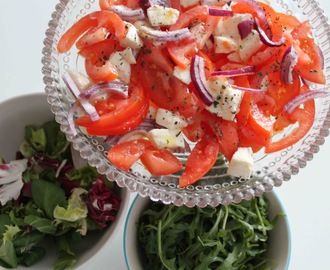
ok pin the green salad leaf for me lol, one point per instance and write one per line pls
(226, 237)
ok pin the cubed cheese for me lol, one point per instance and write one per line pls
(188, 3)
(132, 38)
(122, 66)
(162, 16)
(249, 45)
(152, 111)
(81, 81)
(225, 44)
(241, 164)
(128, 55)
(227, 100)
(228, 27)
(165, 138)
(170, 120)
(182, 74)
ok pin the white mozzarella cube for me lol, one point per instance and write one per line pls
(188, 3)
(152, 112)
(182, 74)
(128, 55)
(122, 66)
(241, 164)
(132, 38)
(162, 16)
(228, 27)
(227, 100)
(170, 120)
(249, 45)
(225, 44)
(82, 82)
(165, 138)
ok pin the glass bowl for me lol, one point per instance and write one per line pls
(270, 170)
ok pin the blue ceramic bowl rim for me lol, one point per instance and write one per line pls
(138, 196)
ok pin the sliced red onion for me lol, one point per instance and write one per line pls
(248, 70)
(70, 118)
(245, 28)
(220, 12)
(289, 60)
(247, 89)
(105, 87)
(88, 107)
(199, 81)
(260, 13)
(128, 14)
(265, 38)
(158, 35)
(303, 97)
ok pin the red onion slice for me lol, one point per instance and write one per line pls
(260, 13)
(158, 35)
(128, 14)
(245, 28)
(220, 12)
(70, 118)
(303, 97)
(247, 89)
(248, 70)
(264, 37)
(89, 108)
(105, 87)
(289, 60)
(199, 81)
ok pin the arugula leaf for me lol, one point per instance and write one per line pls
(85, 175)
(27, 239)
(225, 237)
(4, 221)
(47, 196)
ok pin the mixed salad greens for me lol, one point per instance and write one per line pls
(226, 237)
(225, 76)
(49, 196)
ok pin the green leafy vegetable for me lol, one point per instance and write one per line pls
(58, 204)
(226, 237)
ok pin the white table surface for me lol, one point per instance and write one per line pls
(22, 28)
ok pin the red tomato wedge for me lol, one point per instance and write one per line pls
(160, 161)
(201, 160)
(125, 154)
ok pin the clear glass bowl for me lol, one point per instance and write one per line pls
(270, 170)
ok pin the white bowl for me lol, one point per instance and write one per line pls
(15, 114)
(279, 238)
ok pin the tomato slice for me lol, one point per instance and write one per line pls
(104, 18)
(165, 90)
(124, 155)
(305, 119)
(127, 125)
(201, 159)
(225, 131)
(310, 67)
(102, 73)
(261, 125)
(100, 51)
(125, 108)
(160, 161)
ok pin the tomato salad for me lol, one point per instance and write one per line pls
(223, 75)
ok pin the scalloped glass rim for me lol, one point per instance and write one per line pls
(270, 170)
